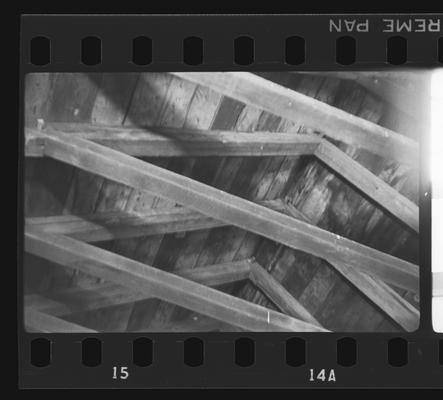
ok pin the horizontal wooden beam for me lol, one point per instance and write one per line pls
(230, 209)
(79, 299)
(120, 225)
(371, 185)
(333, 122)
(114, 225)
(275, 291)
(171, 142)
(36, 321)
(160, 284)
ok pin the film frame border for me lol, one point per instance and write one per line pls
(219, 369)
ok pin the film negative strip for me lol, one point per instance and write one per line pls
(230, 201)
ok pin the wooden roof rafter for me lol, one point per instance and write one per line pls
(370, 282)
(116, 225)
(374, 187)
(220, 205)
(78, 299)
(101, 227)
(166, 286)
(179, 142)
(37, 321)
(294, 106)
(81, 298)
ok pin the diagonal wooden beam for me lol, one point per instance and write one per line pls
(163, 285)
(195, 323)
(275, 291)
(172, 142)
(79, 299)
(383, 296)
(375, 188)
(86, 300)
(83, 299)
(378, 292)
(333, 122)
(37, 321)
(360, 177)
(230, 209)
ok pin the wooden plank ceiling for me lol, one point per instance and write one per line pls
(318, 195)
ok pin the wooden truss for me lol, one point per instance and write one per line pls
(111, 151)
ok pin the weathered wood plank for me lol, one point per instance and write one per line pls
(173, 142)
(277, 258)
(279, 295)
(334, 204)
(99, 227)
(47, 183)
(37, 321)
(267, 182)
(214, 171)
(218, 274)
(193, 323)
(347, 215)
(54, 97)
(80, 299)
(147, 109)
(255, 180)
(113, 98)
(119, 225)
(38, 96)
(383, 296)
(159, 100)
(230, 209)
(333, 122)
(371, 185)
(53, 186)
(111, 108)
(381, 84)
(73, 100)
(175, 95)
(166, 286)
